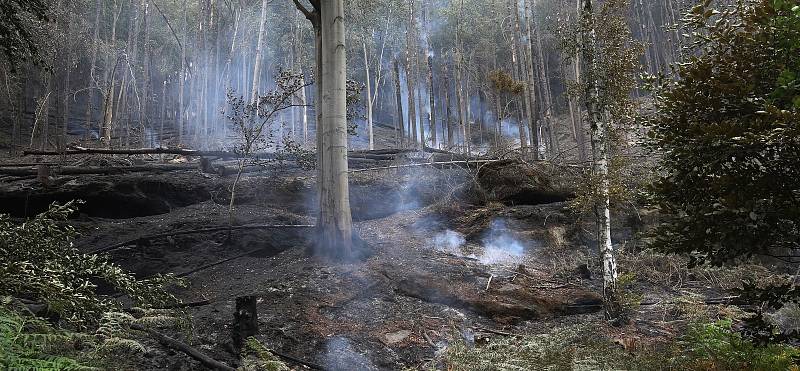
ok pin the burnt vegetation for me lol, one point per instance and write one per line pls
(384, 185)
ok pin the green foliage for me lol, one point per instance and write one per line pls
(563, 349)
(706, 346)
(257, 357)
(40, 264)
(27, 343)
(715, 346)
(728, 129)
(19, 20)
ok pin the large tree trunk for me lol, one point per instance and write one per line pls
(599, 140)
(335, 221)
(259, 51)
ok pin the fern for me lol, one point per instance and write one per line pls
(30, 344)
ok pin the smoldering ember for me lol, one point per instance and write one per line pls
(399, 185)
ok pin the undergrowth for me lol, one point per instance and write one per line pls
(52, 316)
(705, 346)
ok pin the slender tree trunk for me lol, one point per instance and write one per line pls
(399, 129)
(65, 118)
(182, 78)
(260, 44)
(599, 139)
(431, 96)
(92, 66)
(447, 122)
(369, 98)
(412, 112)
(534, 125)
(518, 71)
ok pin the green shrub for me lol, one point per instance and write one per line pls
(715, 346)
(40, 264)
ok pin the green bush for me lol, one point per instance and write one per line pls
(41, 265)
(715, 346)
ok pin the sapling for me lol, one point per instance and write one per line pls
(253, 122)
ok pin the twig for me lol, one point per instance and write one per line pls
(490, 282)
(186, 349)
(497, 332)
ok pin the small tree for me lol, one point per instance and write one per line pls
(253, 122)
(609, 64)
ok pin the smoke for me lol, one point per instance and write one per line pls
(339, 355)
(449, 242)
(499, 245)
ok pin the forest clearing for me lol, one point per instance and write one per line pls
(399, 185)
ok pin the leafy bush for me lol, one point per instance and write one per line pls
(727, 129)
(41, 265)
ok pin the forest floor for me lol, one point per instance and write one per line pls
(444, 265)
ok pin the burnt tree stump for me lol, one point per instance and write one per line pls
(245, 321)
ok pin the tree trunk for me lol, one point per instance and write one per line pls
(335, 221)
(432, 110)
(518, 71)
(260, 44)
(369, 99)
(399, 129)
(534, 126)
(92, 65)
(599, 139)
(448, 123)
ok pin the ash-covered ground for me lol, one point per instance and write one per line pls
(455, 254)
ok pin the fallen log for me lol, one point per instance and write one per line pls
(182, 347)
(84, 170)
(134, 151)
(441, 164)
(193, 231)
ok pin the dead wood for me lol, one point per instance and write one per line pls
(186, 349)
(437, 165)
(245, 320)
(134, 151)
(82, 170)
(143, 239)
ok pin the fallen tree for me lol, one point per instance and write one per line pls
(81, 170)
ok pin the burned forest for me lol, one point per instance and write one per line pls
(399, 185)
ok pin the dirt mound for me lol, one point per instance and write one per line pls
(114, 197)
(516, 183)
